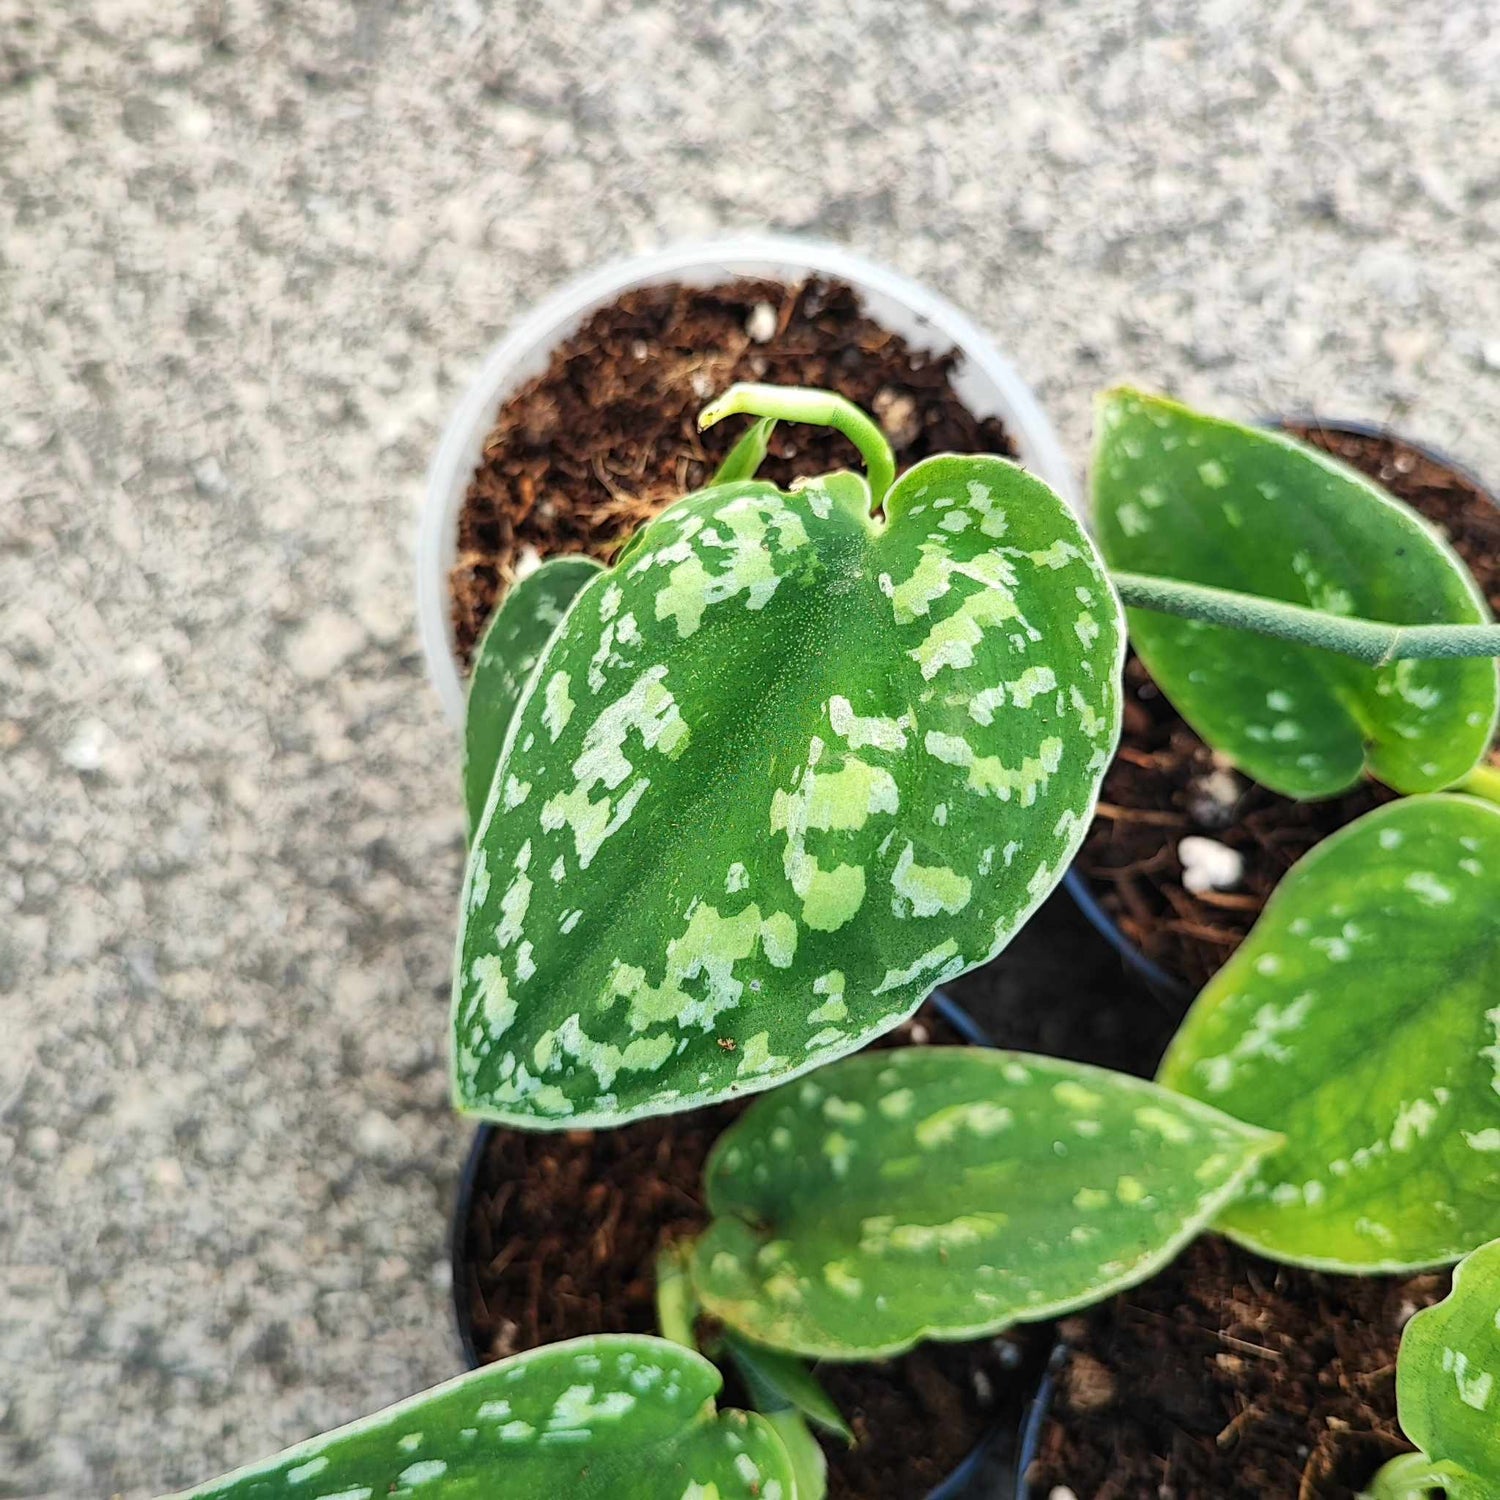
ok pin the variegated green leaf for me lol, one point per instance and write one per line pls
(948, 1192)
(512, 645)
(1448, 1379)
(780, 774)
(1361, 1018)
(614, 1417)
(1185, 496)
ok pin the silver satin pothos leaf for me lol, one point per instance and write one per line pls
(1361, 1018)
(949, 1192)
(610, 1417)
(779, 774)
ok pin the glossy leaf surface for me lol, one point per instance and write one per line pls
(616, 1417)
(1186, 496)
(507, 653)
(1448, 1376)
(782, 773)
(1361, 1018)
(945, 1192)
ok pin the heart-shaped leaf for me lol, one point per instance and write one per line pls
(778, 776)
(504, 660)
(1448, 1379)
(1185, 496)
(613, 1417)
(948, 1192)
(1361, 1018)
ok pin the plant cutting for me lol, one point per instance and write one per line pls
(581, 425)
(919, 1148)
(782, 770)
(801, 755)
(1187, 849)
(519, 626)
(1180, 496)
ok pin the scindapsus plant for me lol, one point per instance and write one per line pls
(616, 1417)
(1241, 751)
(799, 756)
(739, 801)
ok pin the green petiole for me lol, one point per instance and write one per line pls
(1372, 642)
(821, 409)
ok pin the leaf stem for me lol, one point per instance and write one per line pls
(676, 1304)
(747, 455)
(1373, 642)
(1482, 781)
(822, 409)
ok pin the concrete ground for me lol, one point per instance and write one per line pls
(250, 253)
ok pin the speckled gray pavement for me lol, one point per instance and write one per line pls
(249, 254)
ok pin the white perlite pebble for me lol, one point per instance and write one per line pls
(1208, 865)
(1213, 798)
(1061, 1492)
(761, 324)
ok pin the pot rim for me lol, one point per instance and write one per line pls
(1362, 427)
(1038, 1409)
(949, 1488)
(1083, 891)
(987, 382)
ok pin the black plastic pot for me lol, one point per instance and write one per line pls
(1169, 986)
(1037, 1411)
(951, 1488)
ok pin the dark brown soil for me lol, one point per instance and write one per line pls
(607, 434)
(1155, 794)
(1230, 1378)
(562, 1238)
(1060, 989)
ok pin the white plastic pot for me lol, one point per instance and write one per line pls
(983, 378)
